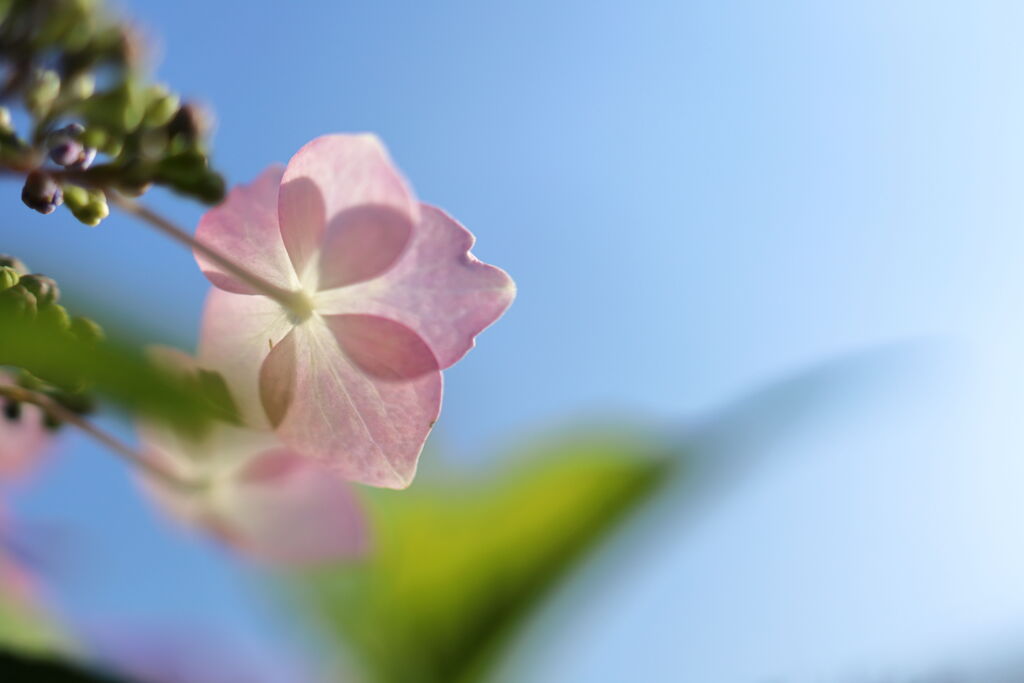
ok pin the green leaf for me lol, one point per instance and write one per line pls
(116, 369)
(459, 563)
(26, 631)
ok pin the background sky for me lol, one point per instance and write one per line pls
(694, 197)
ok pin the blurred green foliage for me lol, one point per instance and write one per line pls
(115, 369)
(458, 563)
(26, 631)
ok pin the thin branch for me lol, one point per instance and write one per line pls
(292, 301)
(57, 411)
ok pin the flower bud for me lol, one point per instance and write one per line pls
(41, 192)
(82, 86)
(44, 288)
(18, 301)
(15, 263)
(84, 161)
(85, 330)
(192, 122)
(55, 316)
(8, 277)
(75, 196)
(67, 148)
(6, 125)
(162, 107)
(43, 91)
(67, 152)
(11, 409)
(88, 206)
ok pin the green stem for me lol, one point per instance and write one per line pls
(294, 301)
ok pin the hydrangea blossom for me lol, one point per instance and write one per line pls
(250, 492)
(388, 296)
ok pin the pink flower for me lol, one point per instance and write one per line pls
(389, 293)
(253, 494)
(24, 438)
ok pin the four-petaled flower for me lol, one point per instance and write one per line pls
(386, 295)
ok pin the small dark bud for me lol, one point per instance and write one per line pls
(44, 288)
(12, 409)
(86, 330)
(191, 122)
(42, 193)
(8, 277)
(50, 422)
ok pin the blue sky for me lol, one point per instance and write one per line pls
(693, 197)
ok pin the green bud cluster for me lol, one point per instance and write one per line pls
(36, 297)
(52, 55)
(88, 206)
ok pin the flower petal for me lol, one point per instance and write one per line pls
(293, 510)
(438, 289)
(352, 404)
(236, 335)
(326, 180)
(361, 243)
(244, 228)
(257, 497)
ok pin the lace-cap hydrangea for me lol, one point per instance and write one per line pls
(386, 292)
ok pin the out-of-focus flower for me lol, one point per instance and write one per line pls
(24, 437)
(17, 583)
(159, 653)
(390, 296)
(258, 497)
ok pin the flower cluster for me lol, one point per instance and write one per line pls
(341, 381)
(338, 298)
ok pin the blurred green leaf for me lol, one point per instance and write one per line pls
(458, 564)
(26, 631)
(115, 369)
